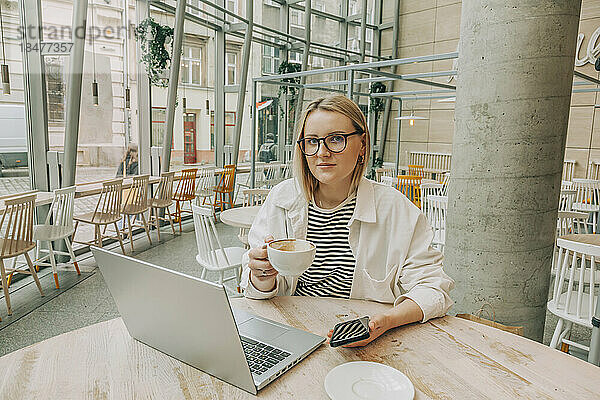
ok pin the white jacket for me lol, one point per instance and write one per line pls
(389, 238)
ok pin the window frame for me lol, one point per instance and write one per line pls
(189, 59)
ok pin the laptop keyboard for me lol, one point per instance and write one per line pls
(261, 356)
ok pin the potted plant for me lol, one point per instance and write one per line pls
(154, 39)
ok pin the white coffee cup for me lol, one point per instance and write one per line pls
(291, 257)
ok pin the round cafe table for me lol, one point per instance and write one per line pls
(240, 217)
(446, 358)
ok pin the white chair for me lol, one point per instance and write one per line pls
(272, 173)
(568, 170)
(567, 197)
(566, 185)
(212, 256)
(386, 170)
(437, 207)
(252, 197)
(445, 182)
(568, 222)
(58, 226)
(573, 299)
(388, 180)
(587, 199)
(429, 189)
(205, 180)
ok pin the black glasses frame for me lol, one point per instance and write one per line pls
(319, 140)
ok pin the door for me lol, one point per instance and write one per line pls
(189, 138)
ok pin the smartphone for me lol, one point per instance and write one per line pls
(350, 332)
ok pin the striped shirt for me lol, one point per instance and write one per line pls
(332, 271)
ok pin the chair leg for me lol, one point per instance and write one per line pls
(119, 237)
(154, 212)
(146, 228)
(170, 220)
(130, 232)
(99, 236)
(178, 215)
(53, 263)
(5, 286)
(238, 279)
(37, 255)
(74, 230)
(73, 259)
(556, 334)
(203, 274)
(35, 277)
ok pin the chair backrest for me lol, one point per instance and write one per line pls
(207, 239)
(445, 180)
(594, 170)
(138, 193)
(110, 198)
(259, 175)
(255, 197)
(566, 185)
(576, 278)
(569, 222)
(206, 179)
(431, 160)
(61, 210)
(429, 189)
(186, 187)
(17, 223)
(165, 187)
(388, 180)
(227, 177)
(588, 191)
(567, 197)
(272, 171)
(437, 207)
(568, 170)
(416, 170)
(286, 171)
(385, 171)
(410, 186)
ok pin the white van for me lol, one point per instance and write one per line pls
(13, 136)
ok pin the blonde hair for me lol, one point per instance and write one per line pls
(342, 105)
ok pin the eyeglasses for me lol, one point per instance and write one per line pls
(335, 143)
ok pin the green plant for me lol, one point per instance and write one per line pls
(377, 163)
(377, 103)
(287, 68)
(153, 38)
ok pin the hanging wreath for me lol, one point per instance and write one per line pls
(154, 39)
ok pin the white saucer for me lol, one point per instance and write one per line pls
(360, 380)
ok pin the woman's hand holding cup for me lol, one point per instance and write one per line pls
(262, 273)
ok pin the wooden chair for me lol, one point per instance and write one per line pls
(385, 171)
(573, 299)
(416, 170)
(16, 238)
(252, 197)
(205, 184)
(58, 226)
(587, 199)
(136, 203)
(162, 200)
(436, 211)
(223, 189)
(107, 212)
(212, 256)
(410, 186)
(186, 191)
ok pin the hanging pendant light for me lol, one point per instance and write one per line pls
(207, 104)
(411, 118)
(94, 83)
(184, 105)
(4, 67)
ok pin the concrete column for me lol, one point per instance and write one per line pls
(516, 66)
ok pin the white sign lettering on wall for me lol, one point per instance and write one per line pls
(593, 49)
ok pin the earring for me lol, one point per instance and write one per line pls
(361, 159)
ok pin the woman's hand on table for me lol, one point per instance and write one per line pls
(378, 325)
(262, 274)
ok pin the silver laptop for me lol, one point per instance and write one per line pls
(191, 320)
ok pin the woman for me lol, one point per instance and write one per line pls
(372, 242)
(129, 163)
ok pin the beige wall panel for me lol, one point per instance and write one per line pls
(447, 23)
(581, 158)
(446, 46)
(590, 9)
(441, 3)
(405, 148)
(594, 155)
(596, 129)
(387, 11)
(411, 6)
(580, 127)
(417, 28)
(441, 126)
(386, 41)
(587, 27)
(439, 148)
(583, 99)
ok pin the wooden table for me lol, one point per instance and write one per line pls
(41, 199)
(240, 217)
(447, 358)
(586, 238)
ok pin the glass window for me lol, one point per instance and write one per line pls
(231, 68)
(231, 5)
(296, 18)
(195, 3)
(317, 62)
(55, 89)
(191, 65)
(159, 117)
(295, 57)
(270, 59)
